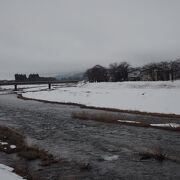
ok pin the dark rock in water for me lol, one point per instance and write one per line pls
(86, 166)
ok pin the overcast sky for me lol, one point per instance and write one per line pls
(51, 36)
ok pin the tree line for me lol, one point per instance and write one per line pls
(32, 77)
(161, 71)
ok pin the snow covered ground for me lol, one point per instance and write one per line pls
(158, 97)
(7, 174)
(32, 88)
(170, 125)
(22, 88)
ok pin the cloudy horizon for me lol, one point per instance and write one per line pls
(51, 37)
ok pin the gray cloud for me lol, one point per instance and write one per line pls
(70, 35)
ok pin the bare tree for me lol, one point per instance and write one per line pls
(113, 69)
(174, 69)
(119, 72)
(97, 74)
(163, 71)
(150, 71)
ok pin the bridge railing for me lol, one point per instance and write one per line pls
(16, 83)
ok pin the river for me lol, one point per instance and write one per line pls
(110, 149)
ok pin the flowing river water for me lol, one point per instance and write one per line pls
(110, 149)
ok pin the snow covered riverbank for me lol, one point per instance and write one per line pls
(154, 97)
(7, 174)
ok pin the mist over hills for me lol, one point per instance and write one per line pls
(70, 76)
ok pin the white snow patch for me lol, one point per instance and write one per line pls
(3, 143)
(22, 88)
(133, 122)
(13, 146)
(111, 158)
(7, 174)
(172, 125)
(154, 97)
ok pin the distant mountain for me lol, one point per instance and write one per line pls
(71, 76)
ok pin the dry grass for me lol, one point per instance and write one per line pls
(24, 152)
(12, 138)
(156, 154)
(95, 116)
(22, 149)
(104, 117)
(110, 118)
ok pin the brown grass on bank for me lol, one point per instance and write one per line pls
(104, 117)
(110, 118)
(24, 152)
(12, 138)
(22, 149)
(95, 116)
(158, 154)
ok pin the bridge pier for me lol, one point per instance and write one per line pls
(49, 86)
(15, 87)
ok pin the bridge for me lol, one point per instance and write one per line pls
(49, 83)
